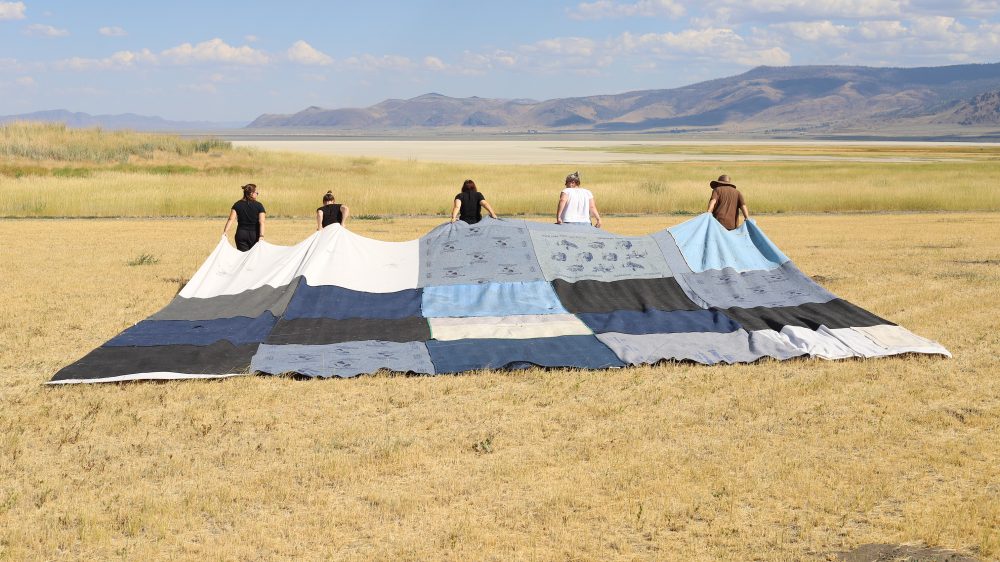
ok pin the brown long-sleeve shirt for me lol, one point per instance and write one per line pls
(728, 201)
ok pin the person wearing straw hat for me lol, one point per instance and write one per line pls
(576, 204)
(727, 203)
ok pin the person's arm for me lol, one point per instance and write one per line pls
(488, 208)
(712, 202)
(455, 209)
(563, 199)
(344, 213)
(229, 222)
(746, 212)
(319, 219)
(260, 218)
(594, 213)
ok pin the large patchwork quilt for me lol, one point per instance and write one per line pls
(494, 295)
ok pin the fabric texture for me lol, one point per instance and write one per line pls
(248, 213)
(492, 295)
(238, 330)
(343, 360)
(628, 294)
(331, 301)
(706, 245)
(654, 321)
(582, 352)
(577, 207)
(469, 209)
(321, 331)
(491, 299)
(595, 254)
(728, 201)
(507, 327)
(489, 251)
(331, 214)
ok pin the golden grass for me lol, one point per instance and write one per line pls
(167, 183)
(775, 461)
(56, 142)
(839, 150)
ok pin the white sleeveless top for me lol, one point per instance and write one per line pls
(577, 205)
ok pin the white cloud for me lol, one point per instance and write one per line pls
(881, 30)
(25, 81)
(11, 11)
(304, 53)
(198, 88)
(708, 44)
(936, 27)
(42, 30)
(250, 38)
(112, 31)
(605, 9)
(823, 30)
(434, 63)
(572, 46)
(737, 11)
(384, 62)
(117, 61)
(214, 50)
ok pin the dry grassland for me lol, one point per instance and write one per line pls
(161, 176)
(772, 461)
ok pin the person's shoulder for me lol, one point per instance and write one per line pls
(320, 208)
(259, 206)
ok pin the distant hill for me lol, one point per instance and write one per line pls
(121, 121)
(983, 109)
(797, 98)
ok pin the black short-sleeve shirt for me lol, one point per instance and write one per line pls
(470, 211)
(331, 214)
(248, 213)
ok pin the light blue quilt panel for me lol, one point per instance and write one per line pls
(491, 299)
(706, 244)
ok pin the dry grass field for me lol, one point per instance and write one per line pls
(52, 172)
(771, 461)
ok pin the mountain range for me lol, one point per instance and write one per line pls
(765, 101)
(119, 121)
(809, 99)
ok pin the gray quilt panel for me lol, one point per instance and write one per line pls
(594, 254)
(783, 286)
(342, 360)
(488, 251)
(702, 347)
(249, 304)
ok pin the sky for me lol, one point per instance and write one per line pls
(232, 61)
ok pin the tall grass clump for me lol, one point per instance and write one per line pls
(55, 141)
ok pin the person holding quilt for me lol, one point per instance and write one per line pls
(576, 204)
(469, 205)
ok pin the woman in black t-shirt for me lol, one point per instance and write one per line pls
(249, 216)
(331, 212)
(468, 203)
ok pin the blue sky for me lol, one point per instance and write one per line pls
(231, 61)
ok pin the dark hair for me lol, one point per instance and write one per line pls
(328, 197)
(469, 185)
(248, 189)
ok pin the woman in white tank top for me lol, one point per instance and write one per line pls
(576, 204)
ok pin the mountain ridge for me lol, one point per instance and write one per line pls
(132, 121)
(821, 98)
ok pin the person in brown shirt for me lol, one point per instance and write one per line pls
(727, 203)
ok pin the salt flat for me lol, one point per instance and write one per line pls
(557, 151)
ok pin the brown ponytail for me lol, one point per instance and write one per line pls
(248, 190)
(328, 197)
